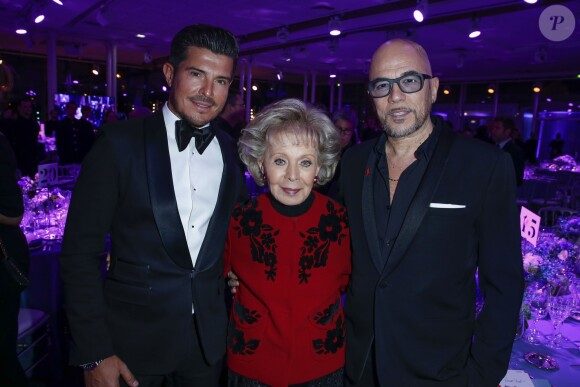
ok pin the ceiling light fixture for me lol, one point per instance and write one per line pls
(474, 30)
(95, 69)
(420, 12)
(491, 89)
(334, 26)
(140, 36)
(282, 34)
(280, 75)
(58, 2)
(286, 54)
(21, 31)
(446, 90)
(531, 1)
(537, 87)
(39, 19)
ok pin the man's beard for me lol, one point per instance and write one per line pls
(394, 132)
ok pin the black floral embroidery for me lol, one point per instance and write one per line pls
(327, 314)
(246, 315)
(238, 344)
(262, 236)
(317, 240)
(333, 341)
(236, 340)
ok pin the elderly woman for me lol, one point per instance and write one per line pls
(290, 249)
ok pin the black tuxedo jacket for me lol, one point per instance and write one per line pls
(419, 306)
(143, 311)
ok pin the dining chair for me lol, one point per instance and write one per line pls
(34, 341)
(549, 215)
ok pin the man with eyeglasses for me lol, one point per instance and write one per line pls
(428, 209)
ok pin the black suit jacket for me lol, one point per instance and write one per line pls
(74, 138)
(419, 307)
(142, 312)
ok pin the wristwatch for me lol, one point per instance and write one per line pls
(91, 366)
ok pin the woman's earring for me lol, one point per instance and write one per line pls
(315, 179)
(264, 177)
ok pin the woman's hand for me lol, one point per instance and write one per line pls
(233, 282)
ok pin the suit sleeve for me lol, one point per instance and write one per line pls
(501, 277)
(91, 211)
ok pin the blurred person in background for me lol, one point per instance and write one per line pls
(22, 132)
(74, 137)
(231, 119)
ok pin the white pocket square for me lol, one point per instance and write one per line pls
(445, 205)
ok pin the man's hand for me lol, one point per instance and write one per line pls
(107, 374)
(233, 282)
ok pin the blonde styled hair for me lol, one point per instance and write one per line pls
(290, 117)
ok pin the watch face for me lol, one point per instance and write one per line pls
(91, 366)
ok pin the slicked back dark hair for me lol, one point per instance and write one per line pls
(216, 39)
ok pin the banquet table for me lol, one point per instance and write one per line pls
(568, 357)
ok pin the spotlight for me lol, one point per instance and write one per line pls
(286, 54)
(21, 31)
(255, 87)
(140, 36)
(282, 34)
(537, 87)
(531, 1)
(332, 74)
(446, 90)
(491, 89)
(58, 2)
(280, 75)
(334, 26)
(95, 69)
(474, 30)
(420, 11)
(39, 19)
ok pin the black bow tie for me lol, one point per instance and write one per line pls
(184, 132)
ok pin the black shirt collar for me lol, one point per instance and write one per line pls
(426, 148)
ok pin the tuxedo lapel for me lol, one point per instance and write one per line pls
(225, 200)
(161, 192)
(368, 210)
(420, 203)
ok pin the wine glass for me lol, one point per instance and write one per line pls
(537, 298)
(560, 301)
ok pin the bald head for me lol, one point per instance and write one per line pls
(403, 114)
(400, 52)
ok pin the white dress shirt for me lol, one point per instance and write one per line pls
(196, 182)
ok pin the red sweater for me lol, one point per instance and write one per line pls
(287, 322)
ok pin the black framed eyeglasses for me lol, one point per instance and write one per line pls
(408, 83)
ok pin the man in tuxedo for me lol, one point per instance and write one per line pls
(501, 133)
(163, 187)
(428, 209)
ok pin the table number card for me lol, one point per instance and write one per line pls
(516, 378)
(529, 225)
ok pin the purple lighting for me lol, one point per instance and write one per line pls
(548, 99)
